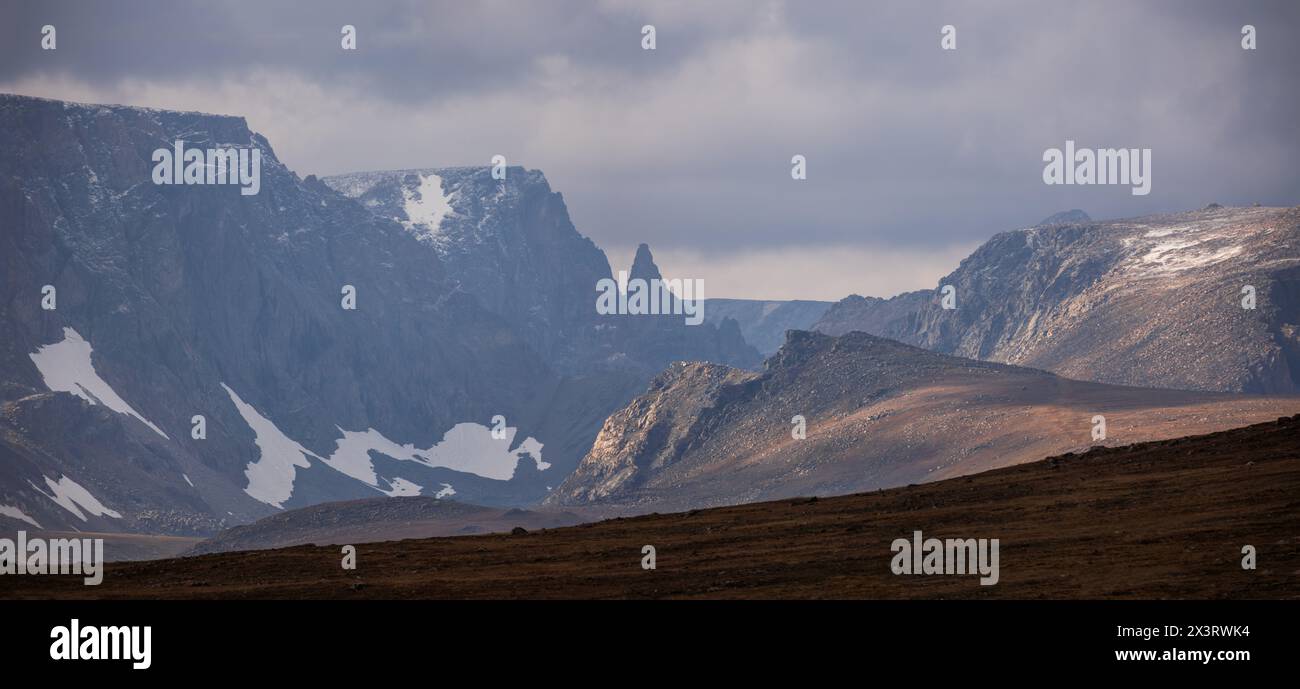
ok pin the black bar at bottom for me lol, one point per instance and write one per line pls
(237, 641)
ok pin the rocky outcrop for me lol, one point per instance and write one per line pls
(875, 414)
(651, 433)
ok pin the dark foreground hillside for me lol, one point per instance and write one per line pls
(1165, 519)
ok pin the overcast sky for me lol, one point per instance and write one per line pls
(915, 154)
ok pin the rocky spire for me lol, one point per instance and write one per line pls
(643, 266)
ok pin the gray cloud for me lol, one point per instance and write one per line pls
(913, 152)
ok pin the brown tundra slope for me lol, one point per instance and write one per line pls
(1165, 519)
(878, 413)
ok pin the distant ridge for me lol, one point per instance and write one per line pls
(1200, 300)
(1069, 217)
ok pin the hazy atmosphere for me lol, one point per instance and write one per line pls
(388, 307)
(915, 154)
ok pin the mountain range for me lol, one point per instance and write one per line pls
(182, 359)
(472, 365)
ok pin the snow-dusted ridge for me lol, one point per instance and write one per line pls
(95, 107)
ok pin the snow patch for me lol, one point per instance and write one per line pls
(1165, 232)
(187, 480)
(400, 487)
(70, 495)
(468, 447)
(66, 367)
(1174, 256)
(15, 513)
(446, 492)
(351, 454)
(1165, 249)
(426, 206)
(271, 477)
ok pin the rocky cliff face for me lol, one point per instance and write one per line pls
(1155, 301)
(460, 371)
(192, 300)
(473, 364)
(510, 243)
(877, 413)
